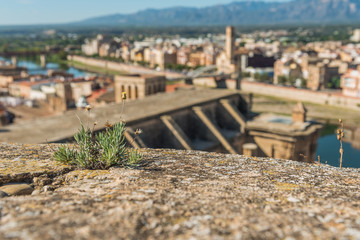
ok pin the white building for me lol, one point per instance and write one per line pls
(356, 35)
(92, 46)
(350, 83)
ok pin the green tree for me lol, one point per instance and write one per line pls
(291, 81)
(303, 82)
(245, 74)
(62, 55)
(282, 80)
(334, 82)
(4, 47)
(264, 77)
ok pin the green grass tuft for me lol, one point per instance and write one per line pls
(101, 151)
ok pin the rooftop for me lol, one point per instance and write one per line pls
(281, 125)
(142, 76)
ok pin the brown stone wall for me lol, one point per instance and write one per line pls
(268, 146)
(154, 85)
(56, 104)
(335, 99)
(3, 119)
(137, 87)
(211, 82)
(132, 69)
(314, 78)
(300, 149)
(169, 58)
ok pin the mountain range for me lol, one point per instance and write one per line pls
(240, 13)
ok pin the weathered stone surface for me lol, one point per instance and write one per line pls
(188, 194)
(17, 189)
(22, 162)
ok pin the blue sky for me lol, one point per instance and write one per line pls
(16, 12)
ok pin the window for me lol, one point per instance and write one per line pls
(129, 93)
(350, 82)
(136, 92)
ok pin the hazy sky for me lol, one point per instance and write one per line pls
(13, 12)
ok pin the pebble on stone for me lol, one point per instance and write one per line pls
(17, 189)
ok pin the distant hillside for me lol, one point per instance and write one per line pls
(240, 13)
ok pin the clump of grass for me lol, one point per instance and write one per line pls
(99, 151)
(340, 136)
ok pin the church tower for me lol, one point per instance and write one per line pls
(229, 45)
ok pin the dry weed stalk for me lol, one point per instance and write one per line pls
(307, 159)
(340, 136)
(123, 97)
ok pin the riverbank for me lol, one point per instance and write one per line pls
(94, 69)
(121, 67)
(322, 113)
(324, 97)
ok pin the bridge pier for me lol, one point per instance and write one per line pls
(213, 129)
(178, 133)
(235, 114)
(238, 81)
(250, 150)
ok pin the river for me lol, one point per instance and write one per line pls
(35, 68)
(328, 150)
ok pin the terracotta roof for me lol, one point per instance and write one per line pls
(96, 94)
(29, 83)
(174, 87)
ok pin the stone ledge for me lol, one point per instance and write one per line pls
(179, 194)
(23, 162)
